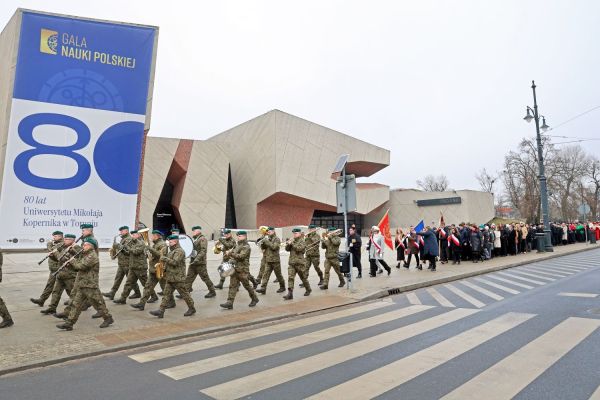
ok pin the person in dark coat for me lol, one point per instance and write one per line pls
(476, 242)
(411, 242)
(430, 247)
(355, 244)
(399, 244)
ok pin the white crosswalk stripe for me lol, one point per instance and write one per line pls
(413, 298)
(172, 351)
(524, 286)
(547, 272)
(464, 295)
(237, 357)
(444, 302)
(596, 394)
(512, 275)
(481, 290)
(584, 295)
(497, 286)
(536, 276)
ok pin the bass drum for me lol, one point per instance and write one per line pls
(187, 244)
(226, 269)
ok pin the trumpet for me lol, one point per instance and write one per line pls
(218, 247)
(327, 235)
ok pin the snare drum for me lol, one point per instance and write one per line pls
(226, 269)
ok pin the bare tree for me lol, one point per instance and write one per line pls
(433, 183)
(570, 163)
(486, 180)
(593, 172)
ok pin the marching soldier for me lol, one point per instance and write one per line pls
(6, 318)
(271, 246)
(138, 267)
(227, 243)
(174, 263)
(88, 267)
(263, 259)
(240, 255)
(297, 263)
(158, 249)
(53, 247)
(119, 251)
(313, 256)
(331, 244)
(65, 278)
(198, 263)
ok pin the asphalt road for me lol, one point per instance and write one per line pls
(530, 332)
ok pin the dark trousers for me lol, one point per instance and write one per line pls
(356, 263)
(456, 254)
(374, 265)
(431, 259)
(410, 256)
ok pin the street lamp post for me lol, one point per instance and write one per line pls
(542, 175)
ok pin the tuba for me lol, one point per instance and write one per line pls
(144, 234)
(160, 266)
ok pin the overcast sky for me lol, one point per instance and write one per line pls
(442, 84)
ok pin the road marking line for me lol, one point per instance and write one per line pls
(524, 286)
(508, 377)
(533, 275)
(237, 357)
(588, 295)
(596, 394)
(498, 286)
(245, 386)
(413, 298)
(521, 278)
(464, 295)
(251, 334)
(545, 272)
(568, 267)
(481, 290)
(381, 380)
(444, 302)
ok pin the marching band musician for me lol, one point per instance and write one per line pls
(296, 263)
(331, 244)
(65, 278)
(198, 263)
(174, 262)
(240, 255)
(271, 246)
(156, 250)
(6, 318)
(120, 251)
(227, 243)
(53, 247)
(313, 255)
(138, 267)
(88, 269)
(263, 259)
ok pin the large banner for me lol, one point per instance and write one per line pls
(76, 128)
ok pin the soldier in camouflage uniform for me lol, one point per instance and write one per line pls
(198, 263)
(313, 256)
(331, 244)
(263, 260)
(227, 243)
(6, 318)
(271, 246)
(88, 267)
(122, 264)
(296, 263)
(174, 263)
(54, 247)
(65, 278)
(138, 267)
(240, 256)
(158, 249)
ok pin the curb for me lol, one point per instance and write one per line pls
(407, 288)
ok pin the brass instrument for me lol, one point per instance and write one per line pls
(218, 247)
(66, 252)
(144, 233)
(123, 245)
(263, 234)
(160, 266)
(67, 262)
(54, 249)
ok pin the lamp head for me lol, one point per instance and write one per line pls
(528, 117)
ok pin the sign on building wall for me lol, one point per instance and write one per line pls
(76, 128)
(439, 202)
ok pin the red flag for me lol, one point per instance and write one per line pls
(384, 228)
(442, 222)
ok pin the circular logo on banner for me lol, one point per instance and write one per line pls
(53, 42)
(82, 88)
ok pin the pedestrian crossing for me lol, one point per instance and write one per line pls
(486, 289)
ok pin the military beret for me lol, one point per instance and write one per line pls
(57, 233)
(69, 236)
(226, 230)
(331, 228)
(196, 227)
(133, 232)
(311, 226)
(91, 241)
(124, 227)
(173, 237)
(156, 232)
(86, 226)
(242, 233)
(174, 230)
(271, 228)
(296, 230)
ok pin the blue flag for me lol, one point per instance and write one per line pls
(420, 226)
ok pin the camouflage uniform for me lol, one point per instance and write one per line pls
(122, 266)
(175, 277)
(271, 246)
(228, 244)
(263, 264)
(6, 318)
(88, 269)
(297, 265)
(198, 266)
(240, 255)
(156, 251)
(313, 255)
(65, 280)
(138, 269)
(331, 246)
(53, 265)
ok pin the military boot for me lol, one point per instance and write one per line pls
(138, 306)
(281, 289)
(158, 313)
(153, 299)
(219, 285)
(97, 315)
(67, 302)
(324, 287)
(107, 322)
(263, 291)
(290, 295)
(109, 295)
(342, 283)
(253, 302)
(120, 301)
(189, 312)
(39, 302)
(60, 315)
(171, 305)
(136, 295)
(228, 305)
(308, 292)
(67, 326)
(210, 295)
(6, 323)
(48, 311)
